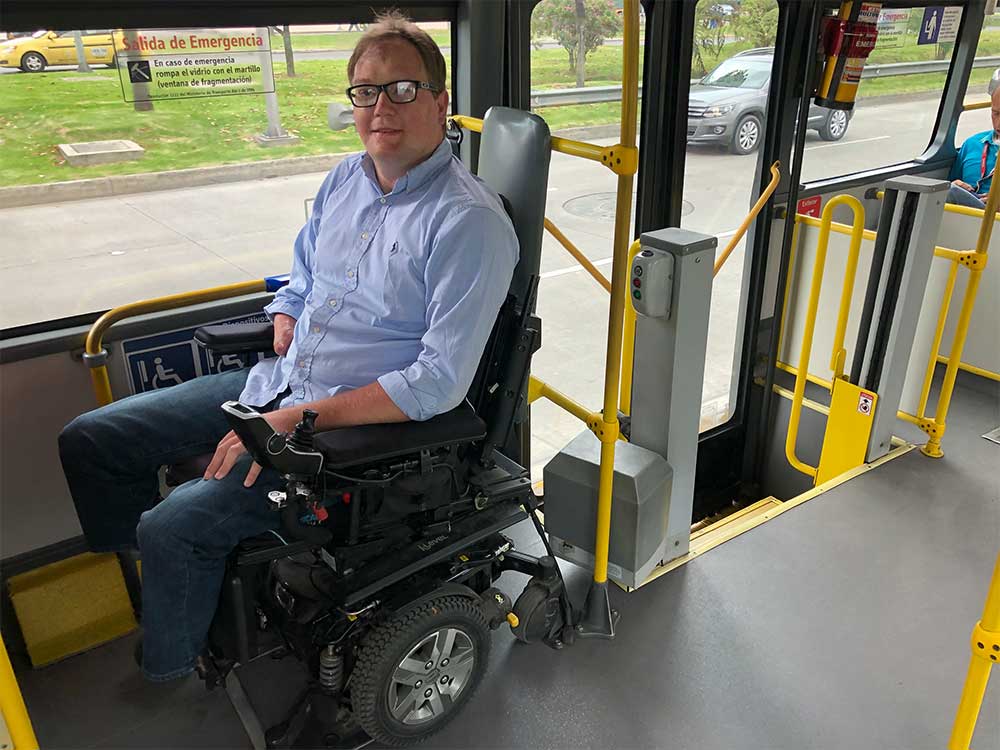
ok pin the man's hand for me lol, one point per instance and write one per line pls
(284, 327)
(957, 183)
(230, 448)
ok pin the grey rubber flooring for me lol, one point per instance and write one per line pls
(841, 624)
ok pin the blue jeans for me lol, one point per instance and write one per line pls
(111, 457)
(962, 197)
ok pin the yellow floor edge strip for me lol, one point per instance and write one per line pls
(754, 515)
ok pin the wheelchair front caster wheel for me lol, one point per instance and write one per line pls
(416, 671)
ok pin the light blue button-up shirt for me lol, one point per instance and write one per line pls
(400, 287)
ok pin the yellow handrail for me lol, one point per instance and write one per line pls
(538, 388)
(582, 259)
(95, 352)
(811, 311)
(985, 653)
(15, 714)
(977, 105)
(628, 345)
(608, 431)
(976, 262)
(925, 390)
(764, 197)
(616, 158)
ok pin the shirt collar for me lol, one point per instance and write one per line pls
(417, 175)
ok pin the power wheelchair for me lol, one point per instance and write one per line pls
(381, 580)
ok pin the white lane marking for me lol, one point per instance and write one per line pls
(850, 143)
(604, 262)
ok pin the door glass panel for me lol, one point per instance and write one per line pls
(732, 61)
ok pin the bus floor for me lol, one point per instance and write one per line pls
(841, 624)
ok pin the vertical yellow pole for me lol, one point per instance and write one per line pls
(933, 446)
(15, 714)
(979, 667)
(628, 344)
(623, 214)
(949, 290)
(597, 618)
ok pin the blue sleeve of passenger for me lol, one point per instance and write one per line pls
(467, 278)
(958, 165)
(291, 298)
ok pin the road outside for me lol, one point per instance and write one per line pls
(94, 254)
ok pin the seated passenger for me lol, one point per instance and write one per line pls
(972, 173)
(396, 281)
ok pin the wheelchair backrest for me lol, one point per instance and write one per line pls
(514, 157)
(514, 154)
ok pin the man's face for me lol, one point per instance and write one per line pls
(996, 111)
(398, 136)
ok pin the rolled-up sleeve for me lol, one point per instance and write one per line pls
(291, 298)
(467, 277)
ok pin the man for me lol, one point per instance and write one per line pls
(972, 173)
(396, 281)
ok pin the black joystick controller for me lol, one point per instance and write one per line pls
(302, 438)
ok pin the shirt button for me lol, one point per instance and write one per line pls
(381, 200)
(333, 303)
(364, 235)
(302, 363)
(315, 329)
(350, 274)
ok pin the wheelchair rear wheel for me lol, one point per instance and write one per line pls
(414, 672)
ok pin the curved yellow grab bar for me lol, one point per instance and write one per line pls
(582, 259)
(96, 357)
(839, 355)
(764, 197)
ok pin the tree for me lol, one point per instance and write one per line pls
(756, 21)
(286, 36)
(710, 28)
(571, 22)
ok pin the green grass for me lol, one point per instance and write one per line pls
(37, 112)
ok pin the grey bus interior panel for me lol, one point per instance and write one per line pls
(42, 388)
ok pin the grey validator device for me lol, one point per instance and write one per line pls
(651, 283)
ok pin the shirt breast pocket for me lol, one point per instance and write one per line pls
(403, 289)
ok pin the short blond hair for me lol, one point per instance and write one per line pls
(394, 25)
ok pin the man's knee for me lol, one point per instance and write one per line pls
(84, 437)
(153, 532)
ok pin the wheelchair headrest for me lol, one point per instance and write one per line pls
(514, 155)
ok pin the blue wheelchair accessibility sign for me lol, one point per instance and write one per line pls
(930, 25)
(174, 357)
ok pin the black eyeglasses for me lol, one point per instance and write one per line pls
(399, 92)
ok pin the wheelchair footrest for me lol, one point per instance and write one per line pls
(430, 550)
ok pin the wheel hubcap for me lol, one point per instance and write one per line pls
(748, 135)
(32, 63)
(838, 123)
(443, 662)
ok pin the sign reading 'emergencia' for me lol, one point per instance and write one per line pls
(186, 63)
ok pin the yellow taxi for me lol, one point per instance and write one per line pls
(34, 53)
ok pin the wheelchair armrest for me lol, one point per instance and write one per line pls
(349, 446)
(233, 339)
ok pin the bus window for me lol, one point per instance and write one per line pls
(581, 204)
(216, 194)
(731, 62)
(972, 122)
(898, 98)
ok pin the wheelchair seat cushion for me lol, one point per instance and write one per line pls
(373, 442)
